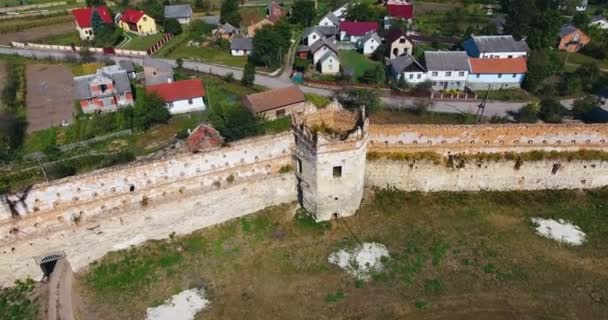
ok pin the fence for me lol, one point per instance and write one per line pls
(32, 6)
(154, 48)
(37, 46)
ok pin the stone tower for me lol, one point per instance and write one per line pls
(329, 160)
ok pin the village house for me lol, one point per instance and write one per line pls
(340, 13)
(319, 48)
(157, 71)
(329, 63)
(329, 20)
(181, 96)
(406, 67)
(491, 47)
(181, 12)
(353, 30)
(369, 43)
(316, 33)
(276, 103)
(241, 46)
(136, 21)
(129, 67)
(599, 22)
(447, 70)
(105, 91)
(400, 9)
(82, 18)
(225, 31)
(496, 74)
(398, 43)
(274, 12)
(572, 39)
(273, 9)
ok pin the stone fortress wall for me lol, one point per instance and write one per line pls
(89, 215)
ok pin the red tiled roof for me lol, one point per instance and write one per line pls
(402, 10)
(204, 138)
(273, 99)
(178, 90)
(354, 28)
(513, 65)
(83, 16)
(131, 15)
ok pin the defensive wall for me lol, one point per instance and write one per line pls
(89, 215)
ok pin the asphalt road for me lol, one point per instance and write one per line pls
(499, 108)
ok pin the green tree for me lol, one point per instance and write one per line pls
(541, 65)
(528, 113)
(229, 12)
(551, 111)
(172, 26)
(373, 75)
(543, 29)
(364, 12)
(581, 20)
(199, 4)
(355, 98)
(155, 9)
(248, 74)
(180, 62)
(583, 106)
(590, 75)
(96, 22)
(303, 12)
(150, 110)
(94, 3)
(233, 121)
(570, 84)
(269, 46)
(537, 20)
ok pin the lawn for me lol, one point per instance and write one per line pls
(356, 61)
(208, 54)
(453, 256)
(142, 43)
(579, 59)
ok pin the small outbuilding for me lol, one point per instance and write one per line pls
(241, 46)
(276, 103)
(181, 12)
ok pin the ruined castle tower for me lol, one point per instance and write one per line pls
(329, 160)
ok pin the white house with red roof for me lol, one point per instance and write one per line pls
(354, 30)
(181, 96)
(83, 17)
(136, 21)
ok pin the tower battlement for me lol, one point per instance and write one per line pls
(329, 158)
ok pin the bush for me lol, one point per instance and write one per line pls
(423, 88)
(17, 302)
(317, 100)
(229, 77)
(300, 64)
(182, 134)
(173, 26)
(355, 98)
(61, 170)
(551, 111)
(150, 110)
(583, 106)
(528, 113)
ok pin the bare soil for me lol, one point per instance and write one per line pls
(33, 34)
(50, 95)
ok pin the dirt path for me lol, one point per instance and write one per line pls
(37, 33)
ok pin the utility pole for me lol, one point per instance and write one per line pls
(42, 168)
(482, 106)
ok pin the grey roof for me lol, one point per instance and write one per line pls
(566, 30)
(212, 20)
(127, 65)
(319, 44)
(332, 17)
(370, 35)
(499, 44)
(228, 28)
(302, 48)
(178, 11)
(322, 30)
(446, 60)
(327, 55)
(406, 63)
(115, 73)
(241, 44)
(157, 71)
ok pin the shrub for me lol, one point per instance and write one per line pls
(317, 100)
(528, 113)
(230, 179)
(551, 111)
(286, 169)
(182, 134)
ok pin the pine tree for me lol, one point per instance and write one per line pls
(229, 12)
(248, 74)
(96, 22)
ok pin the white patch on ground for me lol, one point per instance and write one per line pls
(560, 230)
(361, 260)
(182, 306)
(131, 242)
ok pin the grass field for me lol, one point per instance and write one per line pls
(579, 59)
(453, 256)
(208, 54)
(357, 61)
(142, 43)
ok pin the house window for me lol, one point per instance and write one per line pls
(145, 19)
(189, 101)
(402, 40)
(418, 76)
(461, 74)
(170, 104)
(330, 67)
(337, 171)
(510, 57)
(280, 113)
(435, 73)
(458, 83)
(314, 37)
(411, 76)
(499, 75)
(515, 75)
(477, 76)
(448, 74)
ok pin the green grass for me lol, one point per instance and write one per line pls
(208, 54)
(443, 246)
(17, 302)
(65, 39)
(579, 59)
(142, 43)
(356, 61)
